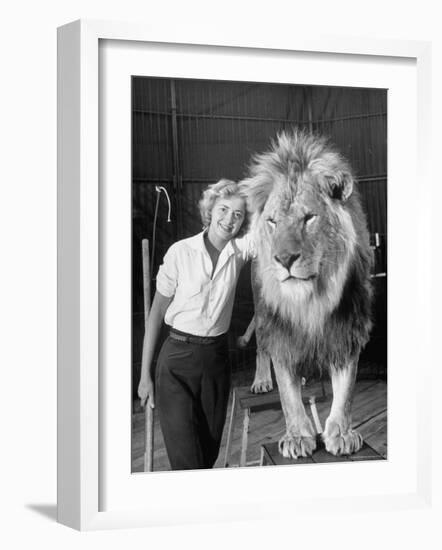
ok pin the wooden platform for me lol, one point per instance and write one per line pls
(247, 404)
(267, 426)
(270, 455)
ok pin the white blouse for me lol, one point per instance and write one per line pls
(202, 303)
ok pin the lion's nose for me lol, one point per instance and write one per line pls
(286, 259)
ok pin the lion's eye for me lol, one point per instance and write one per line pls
(271, 222)
(308, 218)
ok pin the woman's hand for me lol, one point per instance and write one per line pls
(146, 391)
(155, 320)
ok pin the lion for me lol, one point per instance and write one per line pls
(311, 279)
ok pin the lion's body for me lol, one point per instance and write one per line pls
(312, 276)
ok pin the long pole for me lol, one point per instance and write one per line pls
(148, 415)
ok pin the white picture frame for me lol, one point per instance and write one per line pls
(80, 394)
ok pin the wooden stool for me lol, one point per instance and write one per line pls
(250, 402)
(270, 455)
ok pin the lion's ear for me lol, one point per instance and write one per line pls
(340, 185)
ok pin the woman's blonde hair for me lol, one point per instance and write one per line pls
(223, 188)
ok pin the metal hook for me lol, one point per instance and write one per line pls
(158, 189)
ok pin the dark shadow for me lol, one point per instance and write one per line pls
(47, 510)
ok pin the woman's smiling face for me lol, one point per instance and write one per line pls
(227, 217)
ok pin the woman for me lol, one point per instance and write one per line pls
(194, 295)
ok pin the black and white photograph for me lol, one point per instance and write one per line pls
(221, 275)
(259, 274)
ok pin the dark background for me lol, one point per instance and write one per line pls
(189, 133)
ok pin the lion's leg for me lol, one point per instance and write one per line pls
(338, 436)
(300, 437)
(263, 376)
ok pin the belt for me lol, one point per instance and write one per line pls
(192, 339)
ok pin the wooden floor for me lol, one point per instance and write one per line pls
(369, 416)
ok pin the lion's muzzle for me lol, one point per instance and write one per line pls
(287, 259)
(291, 263)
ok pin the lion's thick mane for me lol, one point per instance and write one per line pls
(309, 226)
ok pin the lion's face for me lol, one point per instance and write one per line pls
(293, 227)
(303, 239)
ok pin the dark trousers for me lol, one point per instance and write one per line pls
(192, 391)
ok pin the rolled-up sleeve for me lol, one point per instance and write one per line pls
(167, 277)
(247, 246)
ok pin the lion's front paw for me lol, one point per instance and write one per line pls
(296, 446)
(261, 386)
(340, 442)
